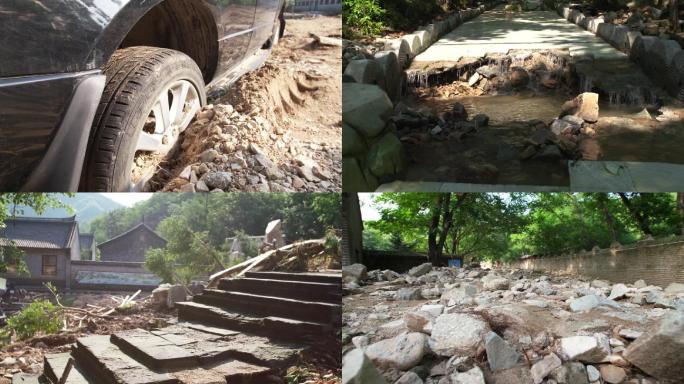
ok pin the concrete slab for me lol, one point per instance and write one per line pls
(496, 31)
(420, 186)
(625, 176)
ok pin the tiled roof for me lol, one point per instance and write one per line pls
(47, 233)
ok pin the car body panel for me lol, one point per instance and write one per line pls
(49, 47)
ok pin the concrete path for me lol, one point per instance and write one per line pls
(497, 32)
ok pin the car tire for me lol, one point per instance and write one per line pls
(135, 78)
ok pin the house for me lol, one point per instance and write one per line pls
(49, 246)
(87, 245)
(324, 6)
(131, 245)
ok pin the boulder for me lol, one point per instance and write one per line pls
(365, 72)
(500, 355)
(497, 283)
(402, 352)
(570, 373)
(459, 295)
(593, 374)
(618, 292)
(654, 351)
(424, 37)
(352, 143)
(400, 48)
(473, 376)
(433, 309)
(481, 120)
(409, 377)
(457, 333)
(606, 31)
(519, 77)
(588, 302)
(675, 288)
(408, 294)
(420, 270)
(659, 59)
(417, 321)
(386, 159)
(543, 367)
(584, 105)
(612, 374)
(675, 76)
(355, 273)
(353, 178)
(160, 294)
(366, 108)
(515, 375)
(641, 47)
(390, 73)
(588, 349)
(357, 368)
(177, 294)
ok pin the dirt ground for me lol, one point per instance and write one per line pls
(276, 129)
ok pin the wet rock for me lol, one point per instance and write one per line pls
(408, 294)
(612, 374)
(481, 120)
(549, 153)
(653, 351)
(459, 112)
(542, 368)
(570, 373)
(589, 349)
(519, 77)
(420, 270)
(500, 355)
(436, 130)
(488, 71)
(584, 105)
(562, 126)
(473, 376)
(357, 368)
(220, 180)
(402, 352)
(457, 333)
(542, 136)
(355, 273)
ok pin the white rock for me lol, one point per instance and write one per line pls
(587, 349)
(619, 291)
(473, 376)
(433, 309)
(593, 374)
(457, 333)
(402, 352)
(358, 369)
(542, 368)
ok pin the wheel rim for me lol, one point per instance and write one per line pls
(171, 114)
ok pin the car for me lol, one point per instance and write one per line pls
(91, 90)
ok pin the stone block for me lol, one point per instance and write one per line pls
(659, 58)
(656, 351)
(177, 293)
(584, 23)
(620, 38)
(366, 108)
(353, 179)
(425, 39)
(400, 48)
(641, 47)
(414, 44)
(352, 142)
(675, 76)
(605, 31)
(391, 74)
(365, 72)
(594, 24)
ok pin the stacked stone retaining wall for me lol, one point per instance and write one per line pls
(658, 263)
(662, 59)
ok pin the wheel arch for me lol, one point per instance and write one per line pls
(176, 25)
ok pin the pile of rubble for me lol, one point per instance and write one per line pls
(477, 326)
(228, 151)
(416, 127)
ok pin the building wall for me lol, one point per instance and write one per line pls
(326, 6)
(34, 262)
(131, 247)
(657, 263)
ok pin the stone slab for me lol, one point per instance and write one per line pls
(625, 176)
(498, 32)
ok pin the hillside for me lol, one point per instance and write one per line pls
(86, 207)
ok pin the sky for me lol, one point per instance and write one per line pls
(127, 199)
(368, 211)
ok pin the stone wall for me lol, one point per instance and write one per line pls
(662, 59)
(372, 153)
(658, 263)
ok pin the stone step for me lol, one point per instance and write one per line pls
(301, 290)
(277, 328)
(185, 345)
(330, 278)
(272, 305)
(54, 365)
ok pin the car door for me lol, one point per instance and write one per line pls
(235, 21)
(266, 13)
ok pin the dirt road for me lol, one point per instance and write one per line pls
(278, 129)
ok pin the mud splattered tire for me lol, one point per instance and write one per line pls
(136, 80)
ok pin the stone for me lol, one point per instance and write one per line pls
(357, 368)
(420, 270)
(618, 292)
(354, 179)
(639, 284)
(519, 77)
(675, 288)
(652, 352)
(402, 352)
(413, 41)
(366, 108)
(570, 373)
(273, 235)
(177, 293)
(574, 120)
(417, 321)
(473, 376)
(549, 153)
(515, 375)
(542, 368)
(400, 48)
(588, 349)
(612, 374)
(585, 105)
(208, 156)
(386, 158)
(500, 355)
(589, 302)
(542, 136)
(499, 283)
(354, 273)
(560, 126)
(457, 333)
(433, 309)
(352, 142)
(459, 112)
(391, 73)
(630, 334)
(459, 295)
(659, 59)
(472, 80)
(481, 120)
(408, 294)
(436, 130)
(641, 47)
(409, 378)
(593, 374)
(220, 180)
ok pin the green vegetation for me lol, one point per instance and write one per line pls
(38, 317)
(196, 226)
(488, 226)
